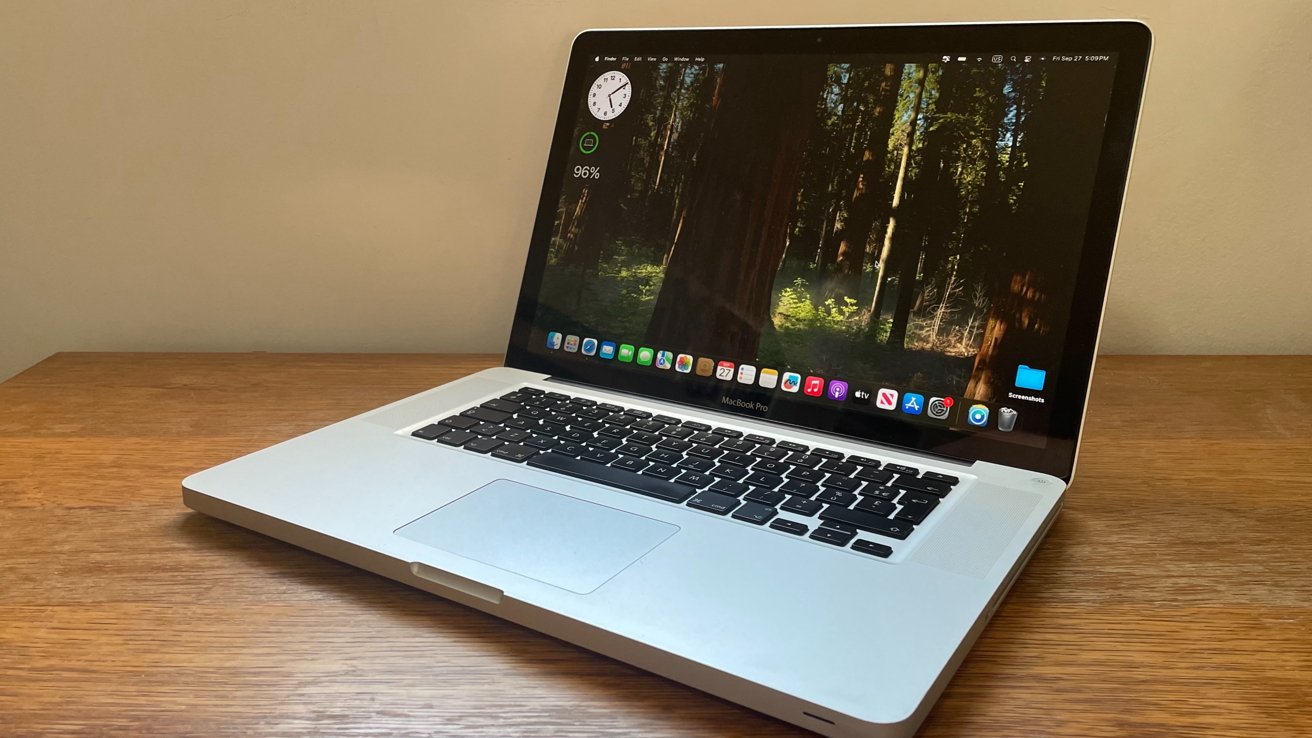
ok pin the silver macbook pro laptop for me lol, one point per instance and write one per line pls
(797, 371)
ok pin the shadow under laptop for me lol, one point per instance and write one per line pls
(586, 673)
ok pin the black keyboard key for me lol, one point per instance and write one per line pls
(794, 447)
(584, 402)
(881, 493)
(566, 447)
(922, 485)
(622, 420)
(694, 479)
(483, 445)
(789, 526)
(459, 421)
(610, 407)
(728, 471)
(801, 506)
(634, 449)
(900, 469)
(532, 391)
(666, 419)
(810, 461)
(841, 468)
(697, 465)
(527, 424)
(514, 452)
(731, 488)
(639, 414)
(641, 483)
(696, 426)
(876, 506)
(714, 502)
(765, 496)
(872, 548)
(514, 435)
(756, 438)
(546, 427)
(515, 396)
(592, 413)
(807, 475)
(847, 484)
(576, 435)
(568, 408)
(863, 461)
(674, 444)
(486, 415)
(754, 512)
(832, 535)
(762, 479)
(630, 463)
(798, 487)
(738, 445)
(870, 474)
(947, 479)
(771, 466)
(559, 396)
(615, 431)
(868, 522)
(705, 452)
(647, 426)
(663, 471)
(665, 456)
(429, 432)
(737, 458)
(677, 431)
(598, 456)
(606, 444)
(646, 439)
(540, 402)
(827, 453)
(836, 497)
(770, 452)
(541, 443)
(456, 437)
(488, 429)
(591, 426)
(503, 405)
(728, 432)
(536, 413)
(560, 418)
(708, 439)
(916, 507)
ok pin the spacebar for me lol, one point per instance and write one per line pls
(593, 472)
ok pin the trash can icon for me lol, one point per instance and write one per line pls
(1006, 419)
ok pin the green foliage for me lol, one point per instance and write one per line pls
(797, 311)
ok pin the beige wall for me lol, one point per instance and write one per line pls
(239, 175)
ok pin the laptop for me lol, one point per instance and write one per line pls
(797, 370)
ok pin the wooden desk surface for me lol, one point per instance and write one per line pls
(1173, 596)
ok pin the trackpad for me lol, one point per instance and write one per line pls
(564, 541)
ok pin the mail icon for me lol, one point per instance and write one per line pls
(1030, 379)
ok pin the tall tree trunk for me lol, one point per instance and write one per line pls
(709, 95)
(863, 204)
(908, 266)
(715, 298)
(1035, 281)
(877, 301)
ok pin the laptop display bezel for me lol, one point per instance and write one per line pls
(1129, 40)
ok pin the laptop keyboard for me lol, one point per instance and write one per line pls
(837, 499)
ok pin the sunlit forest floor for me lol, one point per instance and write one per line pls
(805, 331)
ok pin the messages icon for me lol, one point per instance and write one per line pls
(1030, 379)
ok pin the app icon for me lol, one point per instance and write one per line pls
(705, 367)
(626, 352)
(589, 347)
(645, 356)
(912, 403)
(1006, 419)
(607, 350)
(553, 340)
(589, 142)
(886, 399)
(815, 386)
(571, 343)
(683, 363)
(792, 382)
(861, 397)
(837, 390)
(978, 415)
(664, 359)
(1030, 379)
(724, 370)
(769, 378)
(939, 408)
(746, 373)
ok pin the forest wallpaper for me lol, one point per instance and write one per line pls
(910, 225)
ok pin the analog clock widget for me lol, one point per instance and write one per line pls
(609, 95)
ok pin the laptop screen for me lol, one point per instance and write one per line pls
(888, 236)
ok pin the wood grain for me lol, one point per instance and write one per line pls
(1173, 597)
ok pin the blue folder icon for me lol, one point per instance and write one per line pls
(1030, 379)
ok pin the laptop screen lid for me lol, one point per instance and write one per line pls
(899, 234)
